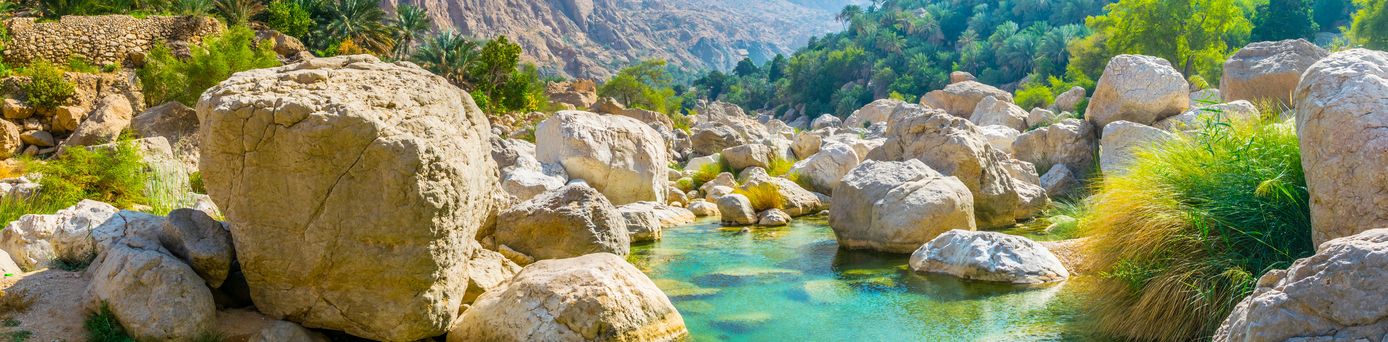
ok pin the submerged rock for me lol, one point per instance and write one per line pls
(596, 297)
(989, 256)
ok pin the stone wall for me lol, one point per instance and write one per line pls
(101, 40)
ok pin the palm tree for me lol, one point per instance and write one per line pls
(362, 22)
(410, 21)
(239, 11)
(448, 54)
(849, 13)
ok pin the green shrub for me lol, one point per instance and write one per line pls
(47, 86)
(1034, 95)
(289, 18)
(1186, 233)
(779, 167)
(103, 327)
(116, 176)
(195, 183)
(167, 78)
(76, 64)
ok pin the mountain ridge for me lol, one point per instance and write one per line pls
(594, 38)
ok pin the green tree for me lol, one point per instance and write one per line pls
(289, 18)
(646, 85)
(361, 22)
(410, 22)
(448, 54)
(1195, 35)
(746, 67)
(1283, 19)
(166, 77)
(1329, 13)
(1370, 26)
(237, 12)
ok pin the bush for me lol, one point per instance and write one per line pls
(779, 167)
(289, 18)
(1034, 95)
(764, 196)
(167, 78)
(103, 327)
(47, 87)
(1184, 236)
(116, 176)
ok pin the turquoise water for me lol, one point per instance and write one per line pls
(794, 284)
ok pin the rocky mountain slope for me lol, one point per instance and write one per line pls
(594, 38)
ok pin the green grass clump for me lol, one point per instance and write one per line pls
(47, 87)
(103, 327)
(116, 176)
(779, 167)
(708, 172)
(166, 77)
(1184, 236)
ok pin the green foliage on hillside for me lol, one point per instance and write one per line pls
(490, 71)
(47, 88)
(904, 48)
(647, 85)
(1284, 19)
(1370, 26)
(166, 77)
(288, 17)
(908, 47)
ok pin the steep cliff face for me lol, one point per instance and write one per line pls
(594, 38)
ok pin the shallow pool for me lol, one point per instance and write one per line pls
(794, 284)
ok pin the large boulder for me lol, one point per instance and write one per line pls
(153, 295)
(176, 123)
(1340, 114)
(989, 256)
(826, 168)
(621, 157)
(826, 121)
(806, 144)
(991, 111)
(1141, 89)
(580, 93)
(201, 241)
(340, 167)
(1070, 142)
(596, 297)
(749, 155)
(960, 99)
(1268, 71)
(34, 240)
(111, 116)
(1335, 295)
(1240, 111)
(954, 147)
(873, 113)
(1001, 137)
(736, 210)
(791, 198)
(571, 221)
(1121, 143)
(895, 206)
(1069, 101)
(723, 125)
(11, 139)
